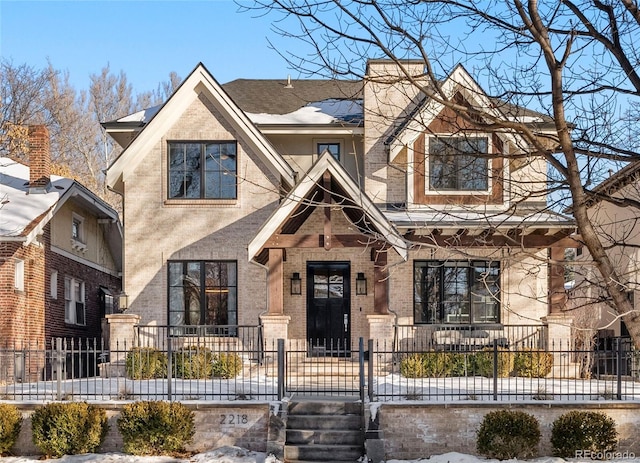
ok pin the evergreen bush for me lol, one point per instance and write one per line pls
(532, 363)
(583, 431)
(483, 362)
(10, 425)
(193, 362)
(506, 434)
(226, 365)
(146, 363)
(68, 428)
(156, 427)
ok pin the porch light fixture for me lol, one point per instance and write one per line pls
(123, 301)
(296, 284)
(361, 285)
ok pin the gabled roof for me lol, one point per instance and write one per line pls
(199, 81)
(356, 204)
(427, 109)
(625, 176)
(23, 216)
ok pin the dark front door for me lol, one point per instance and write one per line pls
(328, 308)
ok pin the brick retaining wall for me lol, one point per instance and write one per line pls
(416, 430)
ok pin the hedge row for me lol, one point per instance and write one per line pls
(529, 363)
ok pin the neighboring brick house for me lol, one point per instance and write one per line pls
(329, 210)
(60, 253)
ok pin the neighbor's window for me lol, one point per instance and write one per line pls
(77, 228)
(333, 148)
(18, 275)
(457, 292)
(74, 306)
(53, 285)
(203, 293)
(454, 163)
(203, 170)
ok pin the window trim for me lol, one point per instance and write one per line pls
(79, 240)
(71, 312)
(200, 199)
(18, 275)
(469, 264)
(456, 191)
(418, 176)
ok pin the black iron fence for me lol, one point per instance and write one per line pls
(235, 363)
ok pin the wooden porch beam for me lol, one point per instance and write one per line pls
(326, 184)
(527, 241)
(275, 281)
(318, 241)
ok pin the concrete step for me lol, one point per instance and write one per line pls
(323, 437)
(322, 452)
(324, 431)
(310, 422)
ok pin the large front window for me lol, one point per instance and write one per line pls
(74, 308)
(456, 292)
(203, 293)
(202, 170)
(458, 163)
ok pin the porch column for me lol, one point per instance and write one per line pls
(275, 282)
(120, 336)
(557, 293)
(380, 283)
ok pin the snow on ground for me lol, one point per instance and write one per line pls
(238, 455)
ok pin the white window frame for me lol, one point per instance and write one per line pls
(78, 240)
(53, 285)
(427, 173)
(74, 298)
(18, 275)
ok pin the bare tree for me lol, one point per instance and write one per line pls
(575, 60)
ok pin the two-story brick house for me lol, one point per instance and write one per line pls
(60, 255)
(331, 210)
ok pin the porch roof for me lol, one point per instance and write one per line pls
(311, 192)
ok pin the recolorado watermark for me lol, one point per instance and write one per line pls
(604, 455)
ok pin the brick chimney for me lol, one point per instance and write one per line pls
(39, 159)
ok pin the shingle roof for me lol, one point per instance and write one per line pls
(277, 97)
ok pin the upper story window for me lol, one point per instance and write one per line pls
(78, 238)
(454, 163)
(456, 292)
(204, 170)
(333, 148)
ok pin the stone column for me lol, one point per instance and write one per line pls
(559, 342)
(120, 336)
(274, 327)
(381, 331)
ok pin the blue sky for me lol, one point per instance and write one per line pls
(145, 39)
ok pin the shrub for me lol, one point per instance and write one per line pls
(146, 363)
(156, 427)
(412, 366)
(532, 363)
(193, 362)
(506, 434)
(226, 365)
(579, 430)
(483, 362)
(10, 424)
(68, 428)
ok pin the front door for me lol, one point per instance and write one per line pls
(328, 308)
